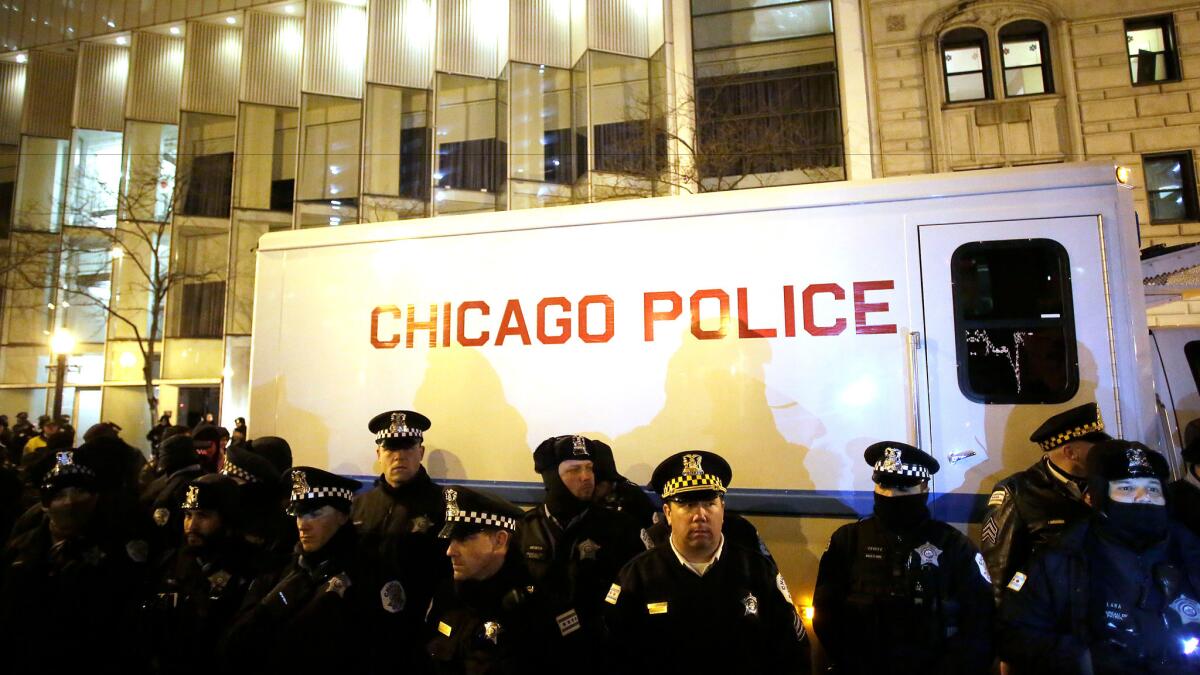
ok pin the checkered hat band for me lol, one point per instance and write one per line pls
(680, 484)
(71, 470)
(231, 469)
(482, 518)
(902, 469)
(1070, 434)
(402, 432)
(324, 492)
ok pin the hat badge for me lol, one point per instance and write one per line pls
(299, 484)
(65, 458)
(1137, 459)
(451, 503)
(398, 422)
(579, 446)
(891, 460)
(192, 499)
(691, 466)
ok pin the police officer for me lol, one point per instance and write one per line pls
(309, 616)
(703, 604)
(1183, 495)
(617, 493)
(1118, 593)
(69, 587)
(483, 621)
(179, 464)
(398, 520)
(574, 549)
(211, 441)
(263, 521)
(898, 591)
(199, 586)
(1030, 509)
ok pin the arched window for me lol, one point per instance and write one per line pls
(965, 59)
(1025, 54)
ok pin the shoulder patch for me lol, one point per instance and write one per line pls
(613, 593)
(782, 586)
(983, 570)
(1018, 581)
(161, 516)
(646, 540)
(137, 550)
(997, 498)
(392, 597)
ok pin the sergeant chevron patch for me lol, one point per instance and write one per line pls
(990, 532)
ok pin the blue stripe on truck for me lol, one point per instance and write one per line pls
(950, 507)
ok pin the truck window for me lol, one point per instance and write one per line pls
(1013, 321)
(1192, 351)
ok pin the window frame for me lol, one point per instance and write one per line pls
(1047, 60)
(982, 41)
(1167, 23)
(1066, 320)
(1191, 203)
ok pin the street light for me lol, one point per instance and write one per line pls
(62, 343)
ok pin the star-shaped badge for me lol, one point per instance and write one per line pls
(928, 554)
(588, 549)
(421, 525)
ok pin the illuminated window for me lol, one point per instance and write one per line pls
(1170, 186)
(1025, 55)
(398, 147)
(967, 71)
(266, 161)
(1152, 52)
(469, 146)
(93, 183)
(205, 177)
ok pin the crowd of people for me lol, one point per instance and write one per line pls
(219, 556)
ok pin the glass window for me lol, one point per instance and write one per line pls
(248, 228)
(581, 141)
(767, 113)
(266, 160)
(41, 177)
(94, 178)
(744, 22)
(29, 289)
(965, 54)
(200, 255)
(541, 170)
(330, 150)
(9, 157)
(1170, 186)
(620, 114)
(398, 151)
(205, 177)
(1014, 322)
(86, 281)
(1025, 53)
(470, 152)
(1152, 53)
(149, 170)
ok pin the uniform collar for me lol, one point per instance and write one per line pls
(1073, 484)
(699, 569)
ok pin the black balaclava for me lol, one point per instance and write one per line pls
(1136, 525)
(902, 513)
(563, 505)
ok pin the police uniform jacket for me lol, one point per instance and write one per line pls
(305, 619)
(68, 606)
(1092, 605)
(404, 562)
(573, 564)
(486, 627)
(917, 602)
(193, 599)
(1027, 512)
(630, 499)
(1183, 501)
(737, 618)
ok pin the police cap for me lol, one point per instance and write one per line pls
(209, 433)
(1081, 422)
(1118, 459)
(212, 492)
(67, 471)
(692, 475)
(249, 466)
(558, 449)
(398, 428)
(899, 464)
(313, 488)
(469, 511)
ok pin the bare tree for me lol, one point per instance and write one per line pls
(119, 233)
